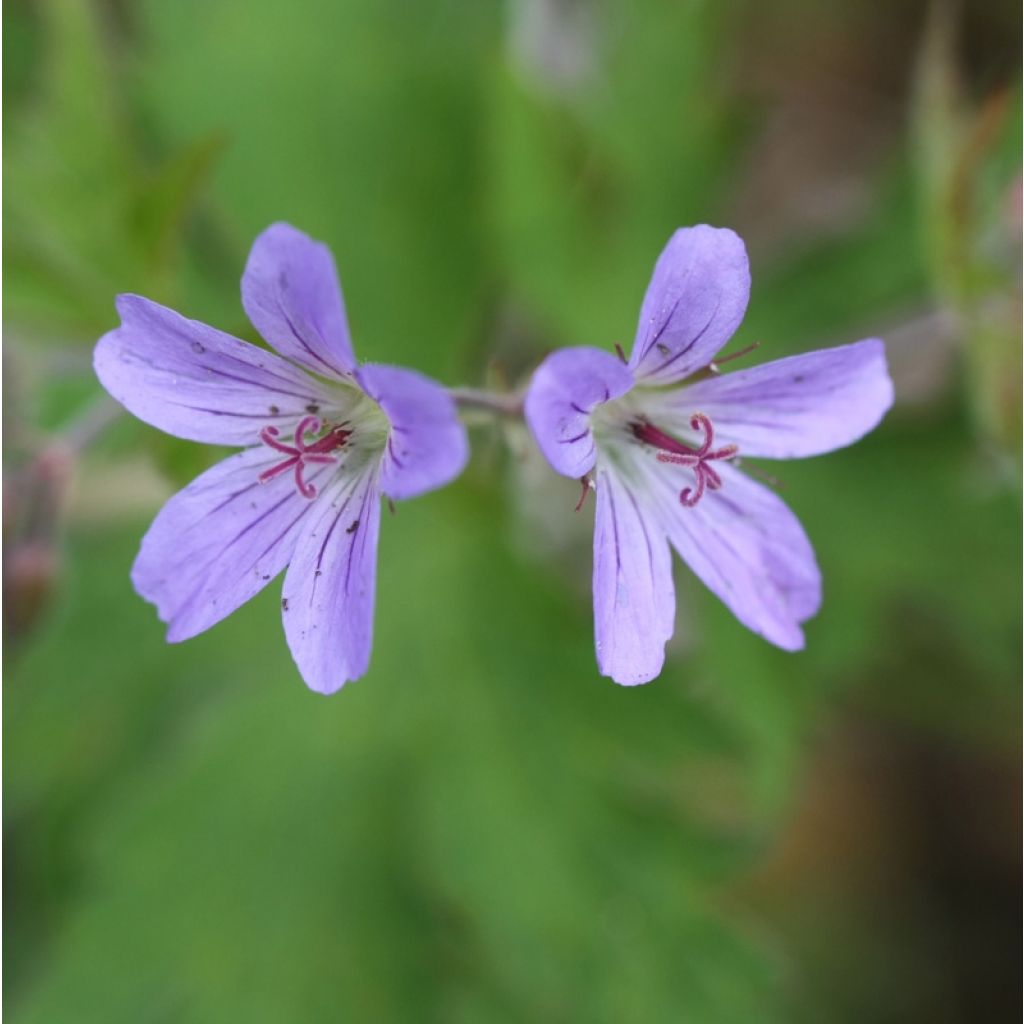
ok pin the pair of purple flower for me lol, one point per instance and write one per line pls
(323, 439)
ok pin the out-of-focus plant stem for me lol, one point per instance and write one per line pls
(34, 503)
(507, 404)
(970, 232)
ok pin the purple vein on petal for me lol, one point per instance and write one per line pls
(249, 384)
(391, 451)
(693, 341)
(615, 534)
(643, 526)
(661, 330)
(302, 341)
(327, 538)
(189, 602)
(266, 417)
(367, 492)
(573, 440)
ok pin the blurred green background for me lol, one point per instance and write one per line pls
(483, 829)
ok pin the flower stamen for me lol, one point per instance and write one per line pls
(679, 454)
(300, 454)
(588, 485)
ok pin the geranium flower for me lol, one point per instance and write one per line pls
(662, 454)
(322, 440)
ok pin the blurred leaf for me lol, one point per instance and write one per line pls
(86, 218)
(968, 160)
(499, 836)
(587, 188)
(20, 52)
(360, 124)
(166, 201)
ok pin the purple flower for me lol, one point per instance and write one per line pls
(321, 437)
(661, 454)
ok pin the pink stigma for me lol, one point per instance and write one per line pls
(300, 454)
(697, 459)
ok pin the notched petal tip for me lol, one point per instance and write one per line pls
(877, 364)
(624, 677)
(325, 688)
(788, 637)
(127, 302)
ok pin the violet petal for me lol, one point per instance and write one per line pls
(793, 407)
(220, 541)
(565, 389)
(329, 588)
(427, 447)
(196, 382)
(746, 546)
(291, 293)
(634, 597)
(694, 303)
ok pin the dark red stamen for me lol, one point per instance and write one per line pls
(715, 364)
(679, 454)
(300, 454)
(588, 486)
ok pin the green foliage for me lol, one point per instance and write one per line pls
(358, 122)
(86, 215)
(968, 163)
(587, 188)
(482, 829)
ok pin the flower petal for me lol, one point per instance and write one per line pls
(747, 547)
(427, 447)
(802, 405)
(330, 584)
(694, 303)
(219, 542)
(634, 598)
(291, 293)
(196, 382)
(565, 389)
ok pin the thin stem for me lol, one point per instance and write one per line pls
(90, 424)
(496, 402)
